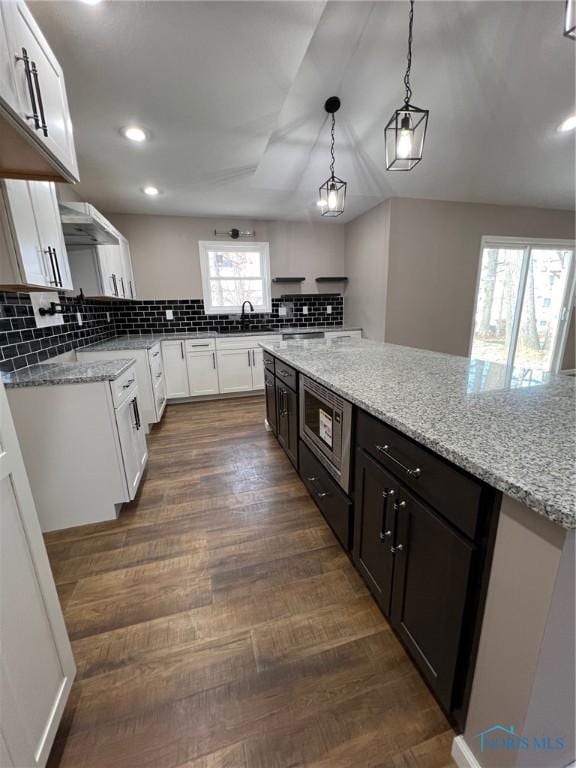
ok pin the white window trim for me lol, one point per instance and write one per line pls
(205, 245)
(527, 243)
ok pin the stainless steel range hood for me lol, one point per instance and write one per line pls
(82, 224)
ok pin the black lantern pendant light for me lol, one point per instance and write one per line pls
(406, 129)
(570, 19)
(332, 194)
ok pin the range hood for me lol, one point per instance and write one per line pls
(82, 224)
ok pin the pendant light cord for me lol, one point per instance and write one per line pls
(333, 160)
(409, 56)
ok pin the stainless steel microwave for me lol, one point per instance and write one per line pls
(325, 427)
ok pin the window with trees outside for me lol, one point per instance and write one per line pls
(523, 305)
(233, 273)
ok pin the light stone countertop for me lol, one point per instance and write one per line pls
(147, 341)
(518, 436)
(66, 373)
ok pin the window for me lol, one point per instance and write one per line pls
(233, 273)
(525, 292)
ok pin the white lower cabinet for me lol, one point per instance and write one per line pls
(36, 662)
(235, 370)
(84, 464)
(202, 373)
(206, 366)
(149, 375)
(175, 369)
(132, 441)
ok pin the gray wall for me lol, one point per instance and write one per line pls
(165, 252)
(434, 259)
(413, 266)
(366, 265)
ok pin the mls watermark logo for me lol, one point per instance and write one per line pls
(506, 738)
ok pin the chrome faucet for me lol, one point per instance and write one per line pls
(243, 318)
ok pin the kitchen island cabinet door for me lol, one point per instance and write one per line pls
(270, 389)
(432, 565)
(287, 409)
(375, 521)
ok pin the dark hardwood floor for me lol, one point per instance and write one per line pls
(218, 624)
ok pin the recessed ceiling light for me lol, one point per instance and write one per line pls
(151, 191)
(91, 2)
(568, 125)
(134, 133)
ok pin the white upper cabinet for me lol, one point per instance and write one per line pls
(30, 219)
(33, 102)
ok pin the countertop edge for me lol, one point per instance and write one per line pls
(508, 487)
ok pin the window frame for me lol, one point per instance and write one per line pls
(204, 246)
(569, 300)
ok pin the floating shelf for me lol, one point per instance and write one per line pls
(288, 279)
(331, 279)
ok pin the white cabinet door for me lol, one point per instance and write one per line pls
(108, 261)
(160, 397)
(202, 373)
(47, 215)
(258, 368)
(126, 421)
(32, 262)
(7, 90)
(39, 84)
(126, 274)
(175, 371)
(36, 663)
(235, 370)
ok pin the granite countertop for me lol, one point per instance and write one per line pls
(66, 373)
(146, 341)
(517, 435)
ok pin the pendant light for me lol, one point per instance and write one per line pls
(404, 135)
(332, 194)
(570, 19)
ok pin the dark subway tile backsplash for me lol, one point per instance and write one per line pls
(22, 344)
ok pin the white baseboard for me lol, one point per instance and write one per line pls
(463, 755)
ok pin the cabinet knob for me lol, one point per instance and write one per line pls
(400, 505)
(397, 548)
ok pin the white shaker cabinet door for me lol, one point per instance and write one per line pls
(47, 215)
(36, 663)
(126, 420)
(258, 368)
(175, 369)
(29, 251)
(235, 370)
(39, 84)
(202, 373)
(7, 90)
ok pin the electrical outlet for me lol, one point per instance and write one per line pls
(304, 310)
(107, 317)
(328, 310)
(282, 311)
(79, 318)
(169, 314)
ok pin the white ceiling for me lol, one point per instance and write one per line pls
(233, 93)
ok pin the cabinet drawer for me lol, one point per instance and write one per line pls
(286, 374)
(122, 385)
(268, 361)
(332, 502)
(445, 487)
(250, 341)
(200, 345)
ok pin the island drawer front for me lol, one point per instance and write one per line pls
(268, 360)
(448, 489)
(331, 500)
(286, 374)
